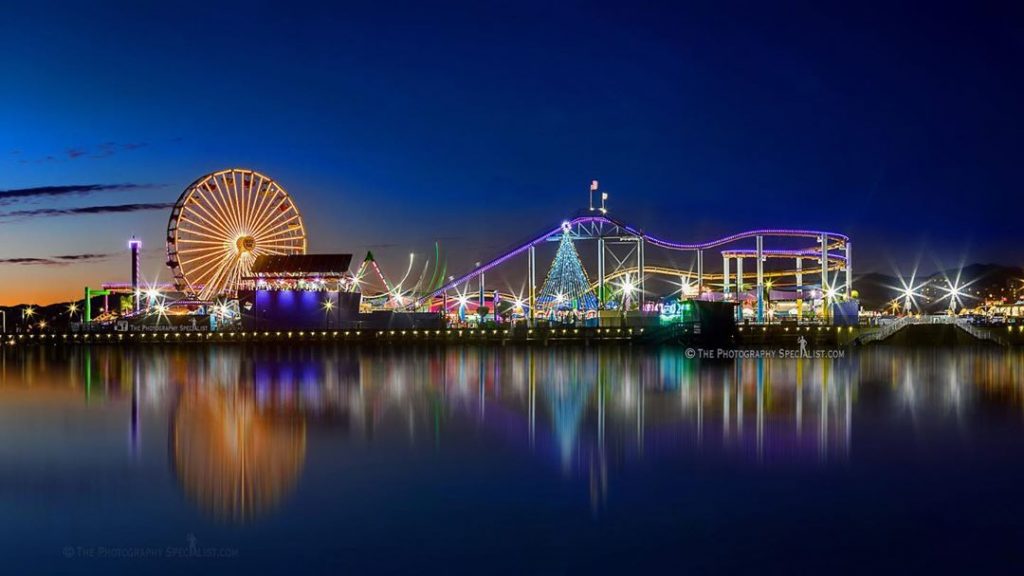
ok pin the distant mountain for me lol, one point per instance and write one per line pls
(980, 282)
(875, 290)
(56, 316)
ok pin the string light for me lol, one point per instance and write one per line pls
(567, 285)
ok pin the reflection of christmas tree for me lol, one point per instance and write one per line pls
(567, 286)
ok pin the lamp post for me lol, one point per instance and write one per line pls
(4, 312)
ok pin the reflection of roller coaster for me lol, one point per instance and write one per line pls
(628, 246)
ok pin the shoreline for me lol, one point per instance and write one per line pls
(747, 336)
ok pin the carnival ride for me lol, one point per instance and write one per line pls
(628, 248)
(381, 293)
(221, 223)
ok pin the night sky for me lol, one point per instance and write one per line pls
(479, 124)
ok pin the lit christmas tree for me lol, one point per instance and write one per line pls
(567, 286)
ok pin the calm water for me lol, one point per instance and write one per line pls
(487, 460)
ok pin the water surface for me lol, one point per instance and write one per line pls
(493, 460)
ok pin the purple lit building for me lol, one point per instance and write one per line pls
(299, 292)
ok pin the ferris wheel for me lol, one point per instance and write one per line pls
(221, 223)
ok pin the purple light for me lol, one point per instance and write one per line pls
(783, 232)
(810, 253)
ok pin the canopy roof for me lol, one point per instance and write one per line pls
(323, 265)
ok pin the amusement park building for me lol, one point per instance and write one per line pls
(300, 292)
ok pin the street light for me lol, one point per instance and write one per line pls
(626, 288)
(908, 292)
(328, 306)
(831, 294)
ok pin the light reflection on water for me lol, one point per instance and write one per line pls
(237, 427)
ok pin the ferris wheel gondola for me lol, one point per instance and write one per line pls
(221, 223)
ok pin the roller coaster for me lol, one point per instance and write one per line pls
(829, 256)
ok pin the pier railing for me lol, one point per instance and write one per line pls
(980, 333)
(888, 330)
(901, 323)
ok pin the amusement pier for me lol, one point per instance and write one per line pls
(236, 247)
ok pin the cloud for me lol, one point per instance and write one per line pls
(102, 150)
(61, 260)
(81, 257)
(16, 194)
(84, 210)
(26, 261)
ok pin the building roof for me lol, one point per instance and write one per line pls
(302, 264)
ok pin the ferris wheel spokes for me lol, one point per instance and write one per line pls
(222, 222)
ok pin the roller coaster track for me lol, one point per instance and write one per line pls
(630, 231)
(678, 272)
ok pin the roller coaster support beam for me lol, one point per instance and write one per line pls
(824, 276)
(640, 268)
(481, 293)
(739, 274)
(824, 267)
(760, 278)
(739, 287)
(531, 276)
(600, 273)
(725, 275)
(849, 269)
(700, 273)
(799, 288)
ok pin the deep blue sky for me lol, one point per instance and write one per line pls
(394, 124)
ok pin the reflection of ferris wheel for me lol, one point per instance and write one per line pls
(222, 222)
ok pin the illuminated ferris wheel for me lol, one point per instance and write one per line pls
(221, 223)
